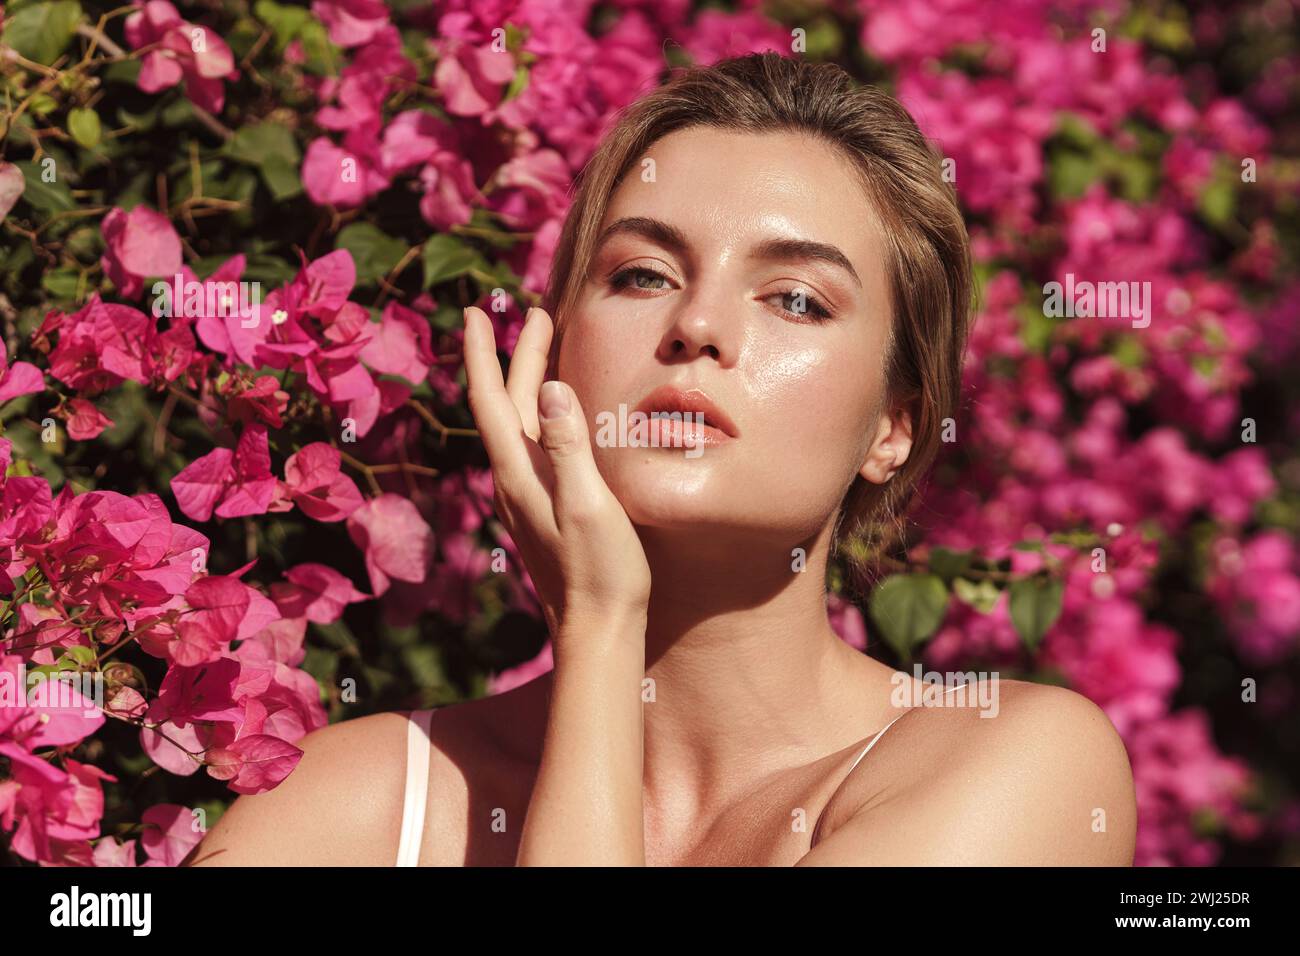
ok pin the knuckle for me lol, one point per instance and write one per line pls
(561, 441)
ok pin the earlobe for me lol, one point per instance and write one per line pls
(889, 450)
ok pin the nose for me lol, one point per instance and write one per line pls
(702, 325)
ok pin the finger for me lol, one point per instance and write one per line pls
(528, 367)
(494, 413)
(564, 436)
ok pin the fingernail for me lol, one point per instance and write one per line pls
(554, 400)
(464, 316)
(528, 316)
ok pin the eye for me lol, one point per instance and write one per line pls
(638, 277)
(802, 303)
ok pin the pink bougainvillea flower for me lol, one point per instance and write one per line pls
(203, 482)
(360, 97)
(522, 674)
(172, 747)
(846, 620)
(221, 609)
(51, 805)
(217, 310)
(20, 378)
(99, 346)
(85, 421)
(397, 542)
(184, 51)
(411, 138)
(233, 483)
(449, 191)
(447, 177)
(531, 189)
(199, 692)
(470, 78)
(351, 22)
(170, 832)
(316, 592)
(401, 345)
(254, 764)
(12, 184)
(315, 483)
(109, 852)
(141, 243)
(48, 716)
(333, 176)
(260, 400)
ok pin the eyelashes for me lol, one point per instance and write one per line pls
(805, 305)
(628, 277)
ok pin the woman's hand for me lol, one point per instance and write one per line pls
(575, 538)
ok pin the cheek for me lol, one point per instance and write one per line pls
(814, 405)
(595, 363)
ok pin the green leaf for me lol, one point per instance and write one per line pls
(83, 124)
(374, 253)
(272, 270)
(45, 197)
(338, 636)
(62, 283)
(1035, 606)
(446, 257)
(42, 104)
(518, 83)
(908, 608)
(76, 657)
(140, 122)
(126, 72)
(281, 178)
(285, 21)
(1217, 202)
(40, 32)
(257, 145)
(949, 564)
(1071, 173)
(982, 595)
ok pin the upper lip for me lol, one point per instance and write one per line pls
(673, 398)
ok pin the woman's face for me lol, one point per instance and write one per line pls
(748, 269)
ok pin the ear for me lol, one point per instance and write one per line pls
(889, 448)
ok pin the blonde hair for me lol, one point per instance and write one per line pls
(928, 264)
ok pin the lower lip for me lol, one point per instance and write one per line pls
(677, 433)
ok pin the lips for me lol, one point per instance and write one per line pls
(692, 402)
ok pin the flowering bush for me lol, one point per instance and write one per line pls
(245, 515)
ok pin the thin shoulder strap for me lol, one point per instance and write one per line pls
(417, 787)
(880, 733)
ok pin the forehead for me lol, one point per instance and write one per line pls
(726, 188)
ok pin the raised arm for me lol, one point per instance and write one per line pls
(594, 583)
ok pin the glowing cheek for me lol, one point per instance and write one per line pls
(817, 398)
(784, 377)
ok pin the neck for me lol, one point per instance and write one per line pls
(749, 677)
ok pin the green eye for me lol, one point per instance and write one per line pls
(802, 303)
(638, 278)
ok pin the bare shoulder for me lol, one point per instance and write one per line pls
(1016, 773)
(340, 806)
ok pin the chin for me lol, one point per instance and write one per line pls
(663, 491)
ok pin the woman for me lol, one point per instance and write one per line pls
(766, 245)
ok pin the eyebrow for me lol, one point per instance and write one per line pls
(672, 238)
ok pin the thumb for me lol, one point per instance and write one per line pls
(564, 436)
